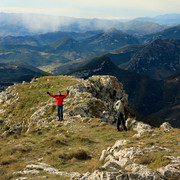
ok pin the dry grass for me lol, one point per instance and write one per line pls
(153, 160)
(76, 147)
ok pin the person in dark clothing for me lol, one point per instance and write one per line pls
(119, 107)
(59, 103)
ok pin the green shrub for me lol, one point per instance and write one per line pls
(80, 154)
(43, 75)
(6, 128)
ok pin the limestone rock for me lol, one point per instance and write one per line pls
(33, 80)
(6, 95)
(103, 155)
(119, 144)
(22, 178)
(166, 126)
(36, 168)
(28, 172)
(143, 172)
(95, 97)
(172, 170)
(113, 165)
(130, 122)
(141, 129)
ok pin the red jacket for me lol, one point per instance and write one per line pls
(59, 99)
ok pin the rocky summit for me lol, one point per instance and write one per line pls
(86, 144)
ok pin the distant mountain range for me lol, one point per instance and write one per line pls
(157, 60)
(167, 19)
(14, 24)
(47, 38)
(147, 96)
(65, 50)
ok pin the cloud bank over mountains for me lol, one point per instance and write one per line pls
(93, 8)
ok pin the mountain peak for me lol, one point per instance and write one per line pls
(113, 30)
(65, 41)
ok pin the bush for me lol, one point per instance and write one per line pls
(35, 77)
(6, 128)
(80, 154)
(43, 75)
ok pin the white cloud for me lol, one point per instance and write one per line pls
(152, 5)
(113, 9)
(39, 11)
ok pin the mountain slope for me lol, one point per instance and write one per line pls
(142, 91)
(147, 96)
(45, 39)
(124, 54)
(64, 51)
(18, 73)
(170, 33)
(171, 109)
(138, 28)
(158, 60)
(35, 145)
(109, 40)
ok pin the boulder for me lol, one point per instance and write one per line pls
(141, 129)
(119, 144)
(166, 126)
(130, 122)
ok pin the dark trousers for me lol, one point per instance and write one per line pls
(121, 121)
(60, 112)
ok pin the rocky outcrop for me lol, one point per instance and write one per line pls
(120, 161)
(6, 95)
(95, 97)
(172, 170)
(120, 164)
(166, 127)
(140, 127)
(36, 168)
(98, 175)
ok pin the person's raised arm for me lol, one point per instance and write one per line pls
(66, 94)
(51, 95)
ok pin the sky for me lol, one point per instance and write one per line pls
(106, 9)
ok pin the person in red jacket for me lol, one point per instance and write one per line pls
(59, 103)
